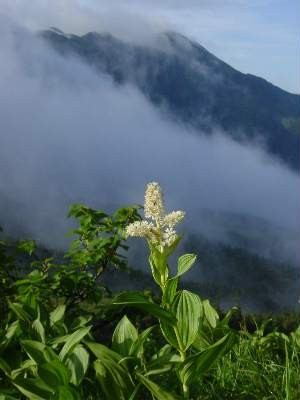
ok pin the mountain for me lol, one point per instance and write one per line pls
(195, 88)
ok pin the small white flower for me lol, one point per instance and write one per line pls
(173, 218)
(139, 228)
(169, 237)
(154, 203)
(143, 229)
(161, 231)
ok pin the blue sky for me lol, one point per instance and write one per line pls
(254, 36)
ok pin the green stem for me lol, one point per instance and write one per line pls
(185, 388)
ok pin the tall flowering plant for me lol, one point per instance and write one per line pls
(181, 313)
(158, 228)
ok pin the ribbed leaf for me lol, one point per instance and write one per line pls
(113, 376)
(73, 340)
(33, 389)
(170, 290)
(198, 364)
(77, 362)
(138, 300)
(114, 379)
(38, 328)
(20, 312)
(124, 336)
(101, 352)
(38, 352)
(57, 314)
(201, 342)
(210, 313)
(67, 393)
(54, 373)
(185, 262)
(187, 308)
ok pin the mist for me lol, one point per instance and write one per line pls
(70, 134)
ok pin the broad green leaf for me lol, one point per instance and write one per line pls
(114, 379)
(72, 341)
(113, 376)
(59, 340)
(135, 299)
(196, 365)
(20, 312)
(210, 313)
(201, 342)
(165, 356)
(185, 262)
(158, 392)
(170, 291)
(57, 314)
(67, 393)
(101, 352)
(54, 373)
(77, 362)
(187, 308)
(33, 389)
(38, 352)
(155, 271)
(11, 330)
(37, 326)
(124, 336)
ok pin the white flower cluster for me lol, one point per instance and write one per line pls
(173, 218)
(162, 230)
(143, 229)
(169, 236)
(154, 203)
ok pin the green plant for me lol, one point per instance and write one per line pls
(54, 308)
(181, 313)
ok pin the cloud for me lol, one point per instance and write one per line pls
(254, 37)
(71, 135)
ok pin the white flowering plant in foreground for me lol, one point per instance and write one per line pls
(181, 313)
(158, 228)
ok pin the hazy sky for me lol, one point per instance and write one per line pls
(254, 36)
(70, 135)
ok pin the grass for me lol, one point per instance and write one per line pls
(250, 372)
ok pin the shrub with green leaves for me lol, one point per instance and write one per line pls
(56, 311)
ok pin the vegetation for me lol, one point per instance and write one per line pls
(64, 335)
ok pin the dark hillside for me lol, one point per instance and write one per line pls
(196, 88)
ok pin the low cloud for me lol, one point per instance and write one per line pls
(254, 37)
(71, 135)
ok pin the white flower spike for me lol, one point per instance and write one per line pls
(154, 202)
(162, 232)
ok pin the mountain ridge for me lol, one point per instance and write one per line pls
(196, 88)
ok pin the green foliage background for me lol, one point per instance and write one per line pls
(64, 335)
